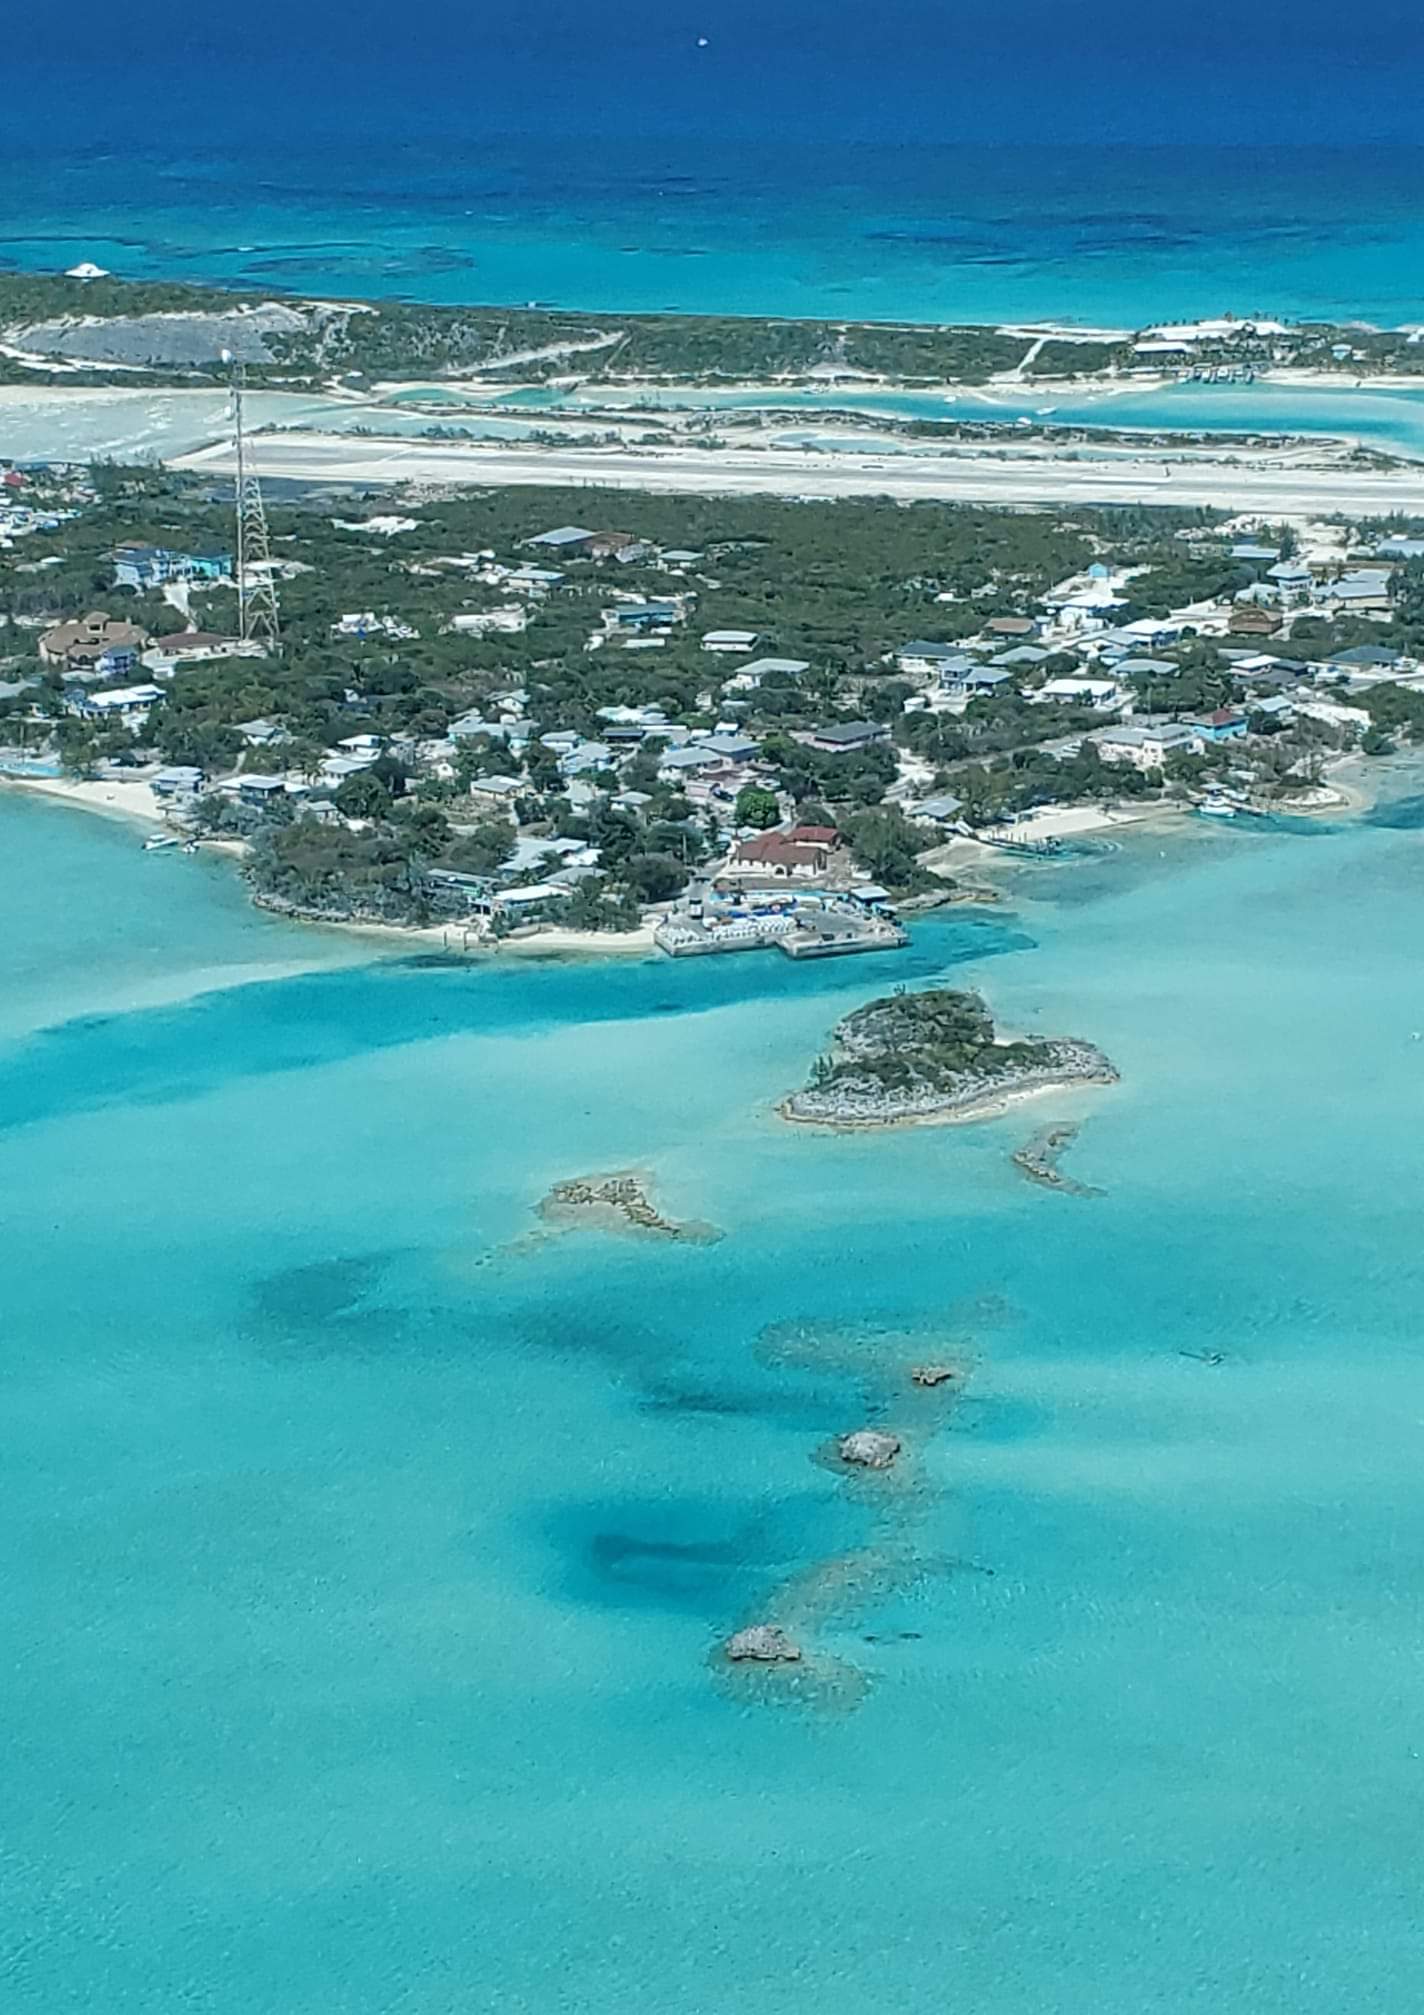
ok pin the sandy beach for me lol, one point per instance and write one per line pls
(135, 801)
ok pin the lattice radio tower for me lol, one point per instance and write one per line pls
(258, 619)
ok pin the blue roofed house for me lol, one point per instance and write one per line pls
(144, 567)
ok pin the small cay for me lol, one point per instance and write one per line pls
(922, 1057)
(618, 1202)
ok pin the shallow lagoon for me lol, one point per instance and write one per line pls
(39, 423)
(365, 1557)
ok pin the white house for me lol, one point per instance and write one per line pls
(1104, 696)
(130, 706)
(490, 622)
(731, 642)
(1148, 748)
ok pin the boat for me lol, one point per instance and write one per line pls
(158, 843)
(1214, 806)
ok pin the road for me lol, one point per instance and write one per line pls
(1275, 485)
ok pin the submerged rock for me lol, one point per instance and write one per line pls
(764, 1644)
(869, 1447)
(933, 1374)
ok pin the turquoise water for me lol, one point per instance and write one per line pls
(364, 1556)
(140, 426)
(585, 208)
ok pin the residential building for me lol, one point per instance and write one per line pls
(731, 642)
(564, 539)
(148, 567)
(1249, 619)
(498, 790)
(1147, 748)
(794, 854)
(1226, 724)
(921, 660)
(643, 616)
(130, 706)
(490, 622)
(841, 737)
(177, 781)
(942, 810)
(750, 676)
(1104, 696)
(973, 681)
(193, 646)
(1363, 592)
(94, 647)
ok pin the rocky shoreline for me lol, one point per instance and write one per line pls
(979, 1096)
(618, 1202)
(933, 1056)
(1041, 1156)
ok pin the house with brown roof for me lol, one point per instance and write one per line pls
(94, 647)
(798, 853)
(1252, 619)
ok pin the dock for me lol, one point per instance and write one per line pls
(806, 925)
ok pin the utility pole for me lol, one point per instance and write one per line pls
(258, 619)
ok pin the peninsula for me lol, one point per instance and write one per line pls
(933, 1056)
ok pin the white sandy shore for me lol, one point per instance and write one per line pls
(993, 1105)
(136, 803)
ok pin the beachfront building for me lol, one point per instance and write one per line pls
(178, 783)
(1147, 748)
(144, 568)
(794, 853)
(128, 706)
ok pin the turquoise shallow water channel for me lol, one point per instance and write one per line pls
(369, 1544)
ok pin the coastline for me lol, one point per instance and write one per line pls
(134, 804)
(988, 1104)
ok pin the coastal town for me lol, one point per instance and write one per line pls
(705, 725)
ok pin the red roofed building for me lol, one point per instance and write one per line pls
(801, 854)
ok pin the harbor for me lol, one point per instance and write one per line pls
(806, 924)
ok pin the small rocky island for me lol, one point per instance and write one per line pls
(618, 1202)
(918, 1057)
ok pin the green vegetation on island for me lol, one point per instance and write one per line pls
(933, 1055)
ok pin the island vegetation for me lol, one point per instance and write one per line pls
(104, 329)
(933, 1055)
